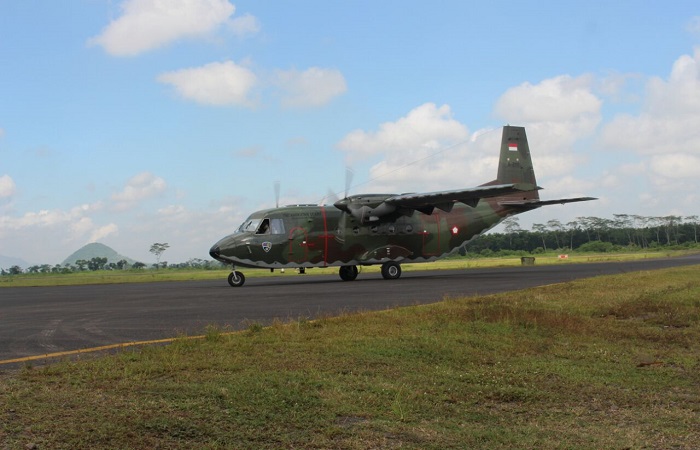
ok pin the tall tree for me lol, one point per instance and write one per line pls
(158, 249)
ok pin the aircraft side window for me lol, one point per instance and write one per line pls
(264, 227)
(277, 226)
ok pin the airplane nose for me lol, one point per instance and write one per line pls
(215, 252)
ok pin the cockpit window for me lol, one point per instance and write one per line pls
(249, 225)
(271, 226)
(277, 226)
(264, 227)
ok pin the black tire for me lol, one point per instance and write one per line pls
(348, 273)
(391, 270)
(237, 280)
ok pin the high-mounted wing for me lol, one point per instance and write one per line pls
(426, 202)
(370, 208)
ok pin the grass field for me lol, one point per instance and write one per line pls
(148, 276)
(609, 362)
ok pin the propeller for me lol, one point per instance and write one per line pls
(277, 194)
(332, 196)
(349, 174)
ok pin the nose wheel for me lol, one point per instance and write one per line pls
(236, 279)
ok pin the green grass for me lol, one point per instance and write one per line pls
(610, 362)
(148, 276)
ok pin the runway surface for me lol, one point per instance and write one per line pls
(45, 320)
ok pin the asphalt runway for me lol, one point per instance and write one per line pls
(45, 320)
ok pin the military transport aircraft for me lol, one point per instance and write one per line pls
(386, 229)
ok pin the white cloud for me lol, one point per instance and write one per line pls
(559, 99)
(670, 118)
(102, 232)
(313, 87)
(60, 227)
(557, 111)
(149, 24)
(140, 187)
(424, 129)
(245, 25)
(224, 83)
(676, 165)
(7, 186)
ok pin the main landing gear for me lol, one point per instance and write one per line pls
(348, 273)
(390, 271)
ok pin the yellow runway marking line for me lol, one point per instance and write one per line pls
(102, 348)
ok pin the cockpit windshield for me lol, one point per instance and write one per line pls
(262, 226)
(249, 225)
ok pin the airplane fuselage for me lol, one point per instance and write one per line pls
(386, 229)
(323, 236)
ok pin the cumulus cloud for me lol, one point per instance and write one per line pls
(670, 118)
(557, 111)
(149, 24)
(427, 127)
(7, 186)
(669, 122)
(140, 187)
(219, 83)
(66, 230)
(313, 87)
(425, 150)
(245, 25)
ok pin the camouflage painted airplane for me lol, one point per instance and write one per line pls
(386, 229)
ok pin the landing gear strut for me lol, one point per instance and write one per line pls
(391, 270)
(348, 273)
(236, 278)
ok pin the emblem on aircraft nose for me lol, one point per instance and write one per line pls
(266, 246)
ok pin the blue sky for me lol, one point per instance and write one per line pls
(141, 121)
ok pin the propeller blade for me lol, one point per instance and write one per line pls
(277, 194)
(348, 179)
(331, 197)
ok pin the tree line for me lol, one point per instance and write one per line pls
(595, 234)
(101, 263)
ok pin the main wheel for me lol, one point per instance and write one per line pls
(236, 279)
(348, 273)
(391, 270)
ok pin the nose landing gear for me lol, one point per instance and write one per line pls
(236, 278)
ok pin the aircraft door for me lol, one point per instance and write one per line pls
(298, 245)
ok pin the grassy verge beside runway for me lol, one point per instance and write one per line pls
(149, 276)
(608, 362)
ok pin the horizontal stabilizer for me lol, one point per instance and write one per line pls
(531, 204)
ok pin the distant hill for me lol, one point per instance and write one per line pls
(8, 261)
(96, 250)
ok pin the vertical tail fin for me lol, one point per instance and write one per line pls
(515, 163)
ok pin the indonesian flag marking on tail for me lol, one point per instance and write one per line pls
(513, 146)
